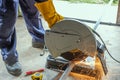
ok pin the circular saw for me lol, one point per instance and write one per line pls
(69, 39)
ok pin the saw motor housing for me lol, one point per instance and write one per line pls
(70, 38)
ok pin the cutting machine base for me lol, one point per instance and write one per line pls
(94, 69)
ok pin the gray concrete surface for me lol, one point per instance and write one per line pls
(30, 59)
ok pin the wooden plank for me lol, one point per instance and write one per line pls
(99, 75)
(118, 14)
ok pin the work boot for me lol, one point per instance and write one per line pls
(37, 44)
(14, 69)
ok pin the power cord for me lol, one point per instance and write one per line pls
(106, 47)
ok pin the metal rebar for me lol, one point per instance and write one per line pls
(67, 71)
(104, 11)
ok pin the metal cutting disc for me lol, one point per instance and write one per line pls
(68, 35)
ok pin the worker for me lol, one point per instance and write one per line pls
(8, 16)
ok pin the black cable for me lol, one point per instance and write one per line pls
(105, 47)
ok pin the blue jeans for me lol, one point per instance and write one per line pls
(8, 16)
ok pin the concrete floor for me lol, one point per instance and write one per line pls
(29, 57)
(31, 60)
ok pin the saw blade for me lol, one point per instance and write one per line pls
(68, 35)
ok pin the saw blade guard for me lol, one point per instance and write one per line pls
(68, 36)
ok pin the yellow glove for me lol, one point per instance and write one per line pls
(48, 12)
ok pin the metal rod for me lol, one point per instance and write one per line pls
(67, 71)
(104, 11)
(57, 77)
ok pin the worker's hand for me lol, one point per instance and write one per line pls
(48, 12)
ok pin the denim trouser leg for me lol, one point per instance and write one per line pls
(8, 14)
(33, 23)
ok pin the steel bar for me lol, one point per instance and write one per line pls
(67, 71)
(105, 9)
